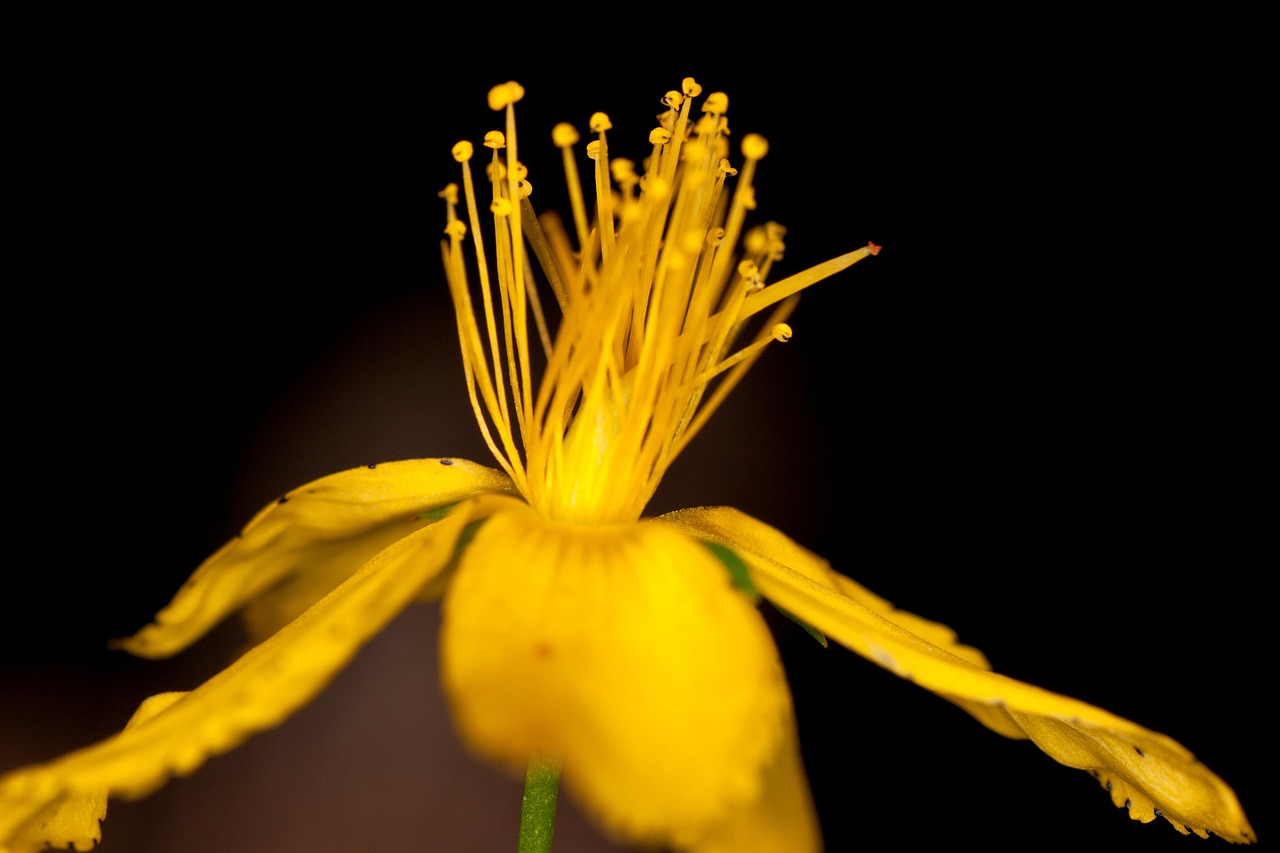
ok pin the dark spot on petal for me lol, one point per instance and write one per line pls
(283, 500)
(1128, 803)
(1159, 813)
(1109, 785)
(542, 650)
(446, 461)
(1139, 751)
(373, 465)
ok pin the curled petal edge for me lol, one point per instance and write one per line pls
(304, 544)
(174, 733)
(1149, 773)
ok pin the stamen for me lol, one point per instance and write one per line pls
(780, 332)
(565, 136)
(655, 298)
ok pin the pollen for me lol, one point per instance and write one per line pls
(665, 300)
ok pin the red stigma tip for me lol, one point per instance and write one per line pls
(875, 250)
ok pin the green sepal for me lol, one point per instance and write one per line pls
(809, 629)
(437, 513)
(737, 569)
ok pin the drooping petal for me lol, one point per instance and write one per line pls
(626, 651)
(782, 819)
(258, 691)
(1148, 772)
(300, 547)
(30, 822)
(741, 532)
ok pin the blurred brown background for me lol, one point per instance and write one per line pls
(1033, 417)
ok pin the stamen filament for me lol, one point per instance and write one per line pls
(652, 301)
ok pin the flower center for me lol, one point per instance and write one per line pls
(661, 294)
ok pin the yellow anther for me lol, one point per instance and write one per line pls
(599, 122)
(716, 102)
(754, 146)
(501, 207)
(748, 269)
(781, 333)
(690, 87)
(704, 126)
(521, 171)
(673, 99)
(456, 229)
(462, 151)
(564, 134)
(525, 189)
(593, 149)
(755, 240)
(504, 94)
(659, 136)
(727, 170)
(624, 170)
(495, 171)
(449, 193)
(715, 236)
(494, 139)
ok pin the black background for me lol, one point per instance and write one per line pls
(1036, 416)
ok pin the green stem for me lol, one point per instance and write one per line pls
(538, 808)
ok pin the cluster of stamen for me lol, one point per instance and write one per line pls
(655, 298)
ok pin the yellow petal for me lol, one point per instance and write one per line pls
(781, 820)
(260, 689)
(29, 821)
(741, 532)
(1148, 772)
(626, 651)
(300, 547)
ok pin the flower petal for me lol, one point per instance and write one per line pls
(626, 651)
(257, 692)
(31, 819)
(782, 820)
(1145, 771)
(741, 532)
(300, 547)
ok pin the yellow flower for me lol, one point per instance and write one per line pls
(631, 651)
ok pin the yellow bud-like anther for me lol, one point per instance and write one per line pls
(495, 140)
(564, 134)
(505, 94)
(754, 146)
(716, 102)
(599, 123)
(462, 151)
